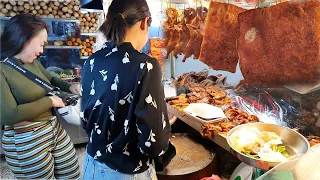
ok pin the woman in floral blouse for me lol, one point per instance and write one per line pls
(123, 108)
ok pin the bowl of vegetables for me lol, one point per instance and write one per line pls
(264, 146)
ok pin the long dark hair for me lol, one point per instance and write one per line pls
(123, 14)
(18, 31)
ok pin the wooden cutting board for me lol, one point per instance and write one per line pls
(192, 161)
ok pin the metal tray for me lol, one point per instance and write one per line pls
(196, 124)
(188, 115)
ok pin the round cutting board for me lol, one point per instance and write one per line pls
(192, 160)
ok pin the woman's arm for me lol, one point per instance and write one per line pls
(151, 112)
(63, 85)
(12, 113)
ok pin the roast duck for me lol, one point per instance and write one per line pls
(184, 33)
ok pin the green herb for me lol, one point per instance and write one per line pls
(251, 155)
(282, 150)
(276, 148)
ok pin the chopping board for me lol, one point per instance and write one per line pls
(192, 160)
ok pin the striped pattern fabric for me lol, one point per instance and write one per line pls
(41, 150)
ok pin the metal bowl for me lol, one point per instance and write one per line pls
(295, 143)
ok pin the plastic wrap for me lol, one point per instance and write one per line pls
(264, 106)
(280, 106)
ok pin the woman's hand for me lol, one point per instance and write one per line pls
(57, 102)
(75, 89)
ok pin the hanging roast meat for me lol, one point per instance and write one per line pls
(189, 15)
(202, 13)
(219, 48)
(196, 22)
(184, 36)
(169, 23)
(199, 21)
(194, 44)
(172, 15)
(174, 37)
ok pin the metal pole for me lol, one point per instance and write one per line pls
(172, 65)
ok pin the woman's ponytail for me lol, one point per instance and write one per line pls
(114, 28)
(121, 17)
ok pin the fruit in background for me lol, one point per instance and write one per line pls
(89, 22)
(87, 46)
(44, 8)
(58, 43)
(72, 41)
(69, 43)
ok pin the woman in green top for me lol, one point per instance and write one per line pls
(36, 146)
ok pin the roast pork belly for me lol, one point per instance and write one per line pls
(280, 44)
(219, 46)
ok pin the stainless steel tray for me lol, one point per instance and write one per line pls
(196, 124)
